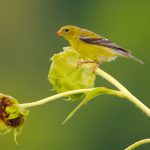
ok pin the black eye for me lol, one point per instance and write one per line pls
(66, 30)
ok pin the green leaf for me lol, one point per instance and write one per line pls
(17, 132)
(12, 109)
(25, 112)
(15, 111)
(5, 131)
(90, 95)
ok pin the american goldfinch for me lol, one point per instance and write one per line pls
(93, 46)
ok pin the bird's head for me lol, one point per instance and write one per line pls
(68, 32)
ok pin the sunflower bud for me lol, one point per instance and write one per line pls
(12, 116)
(65, 74)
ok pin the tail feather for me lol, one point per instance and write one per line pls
(127, 54)
(136, 59)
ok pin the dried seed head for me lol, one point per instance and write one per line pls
(12, 116)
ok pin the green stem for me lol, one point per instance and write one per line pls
(106, 76)
(130, 97)
(137, 144)
(54, 97)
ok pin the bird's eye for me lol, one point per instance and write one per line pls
(66, 30)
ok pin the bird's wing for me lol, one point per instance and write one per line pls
(106, 43)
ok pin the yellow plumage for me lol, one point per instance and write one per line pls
(93, 46)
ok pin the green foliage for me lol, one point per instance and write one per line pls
(65, 74)
(90, 95)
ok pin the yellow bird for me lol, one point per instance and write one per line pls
(93, 46)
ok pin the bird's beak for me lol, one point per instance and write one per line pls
(59, 33)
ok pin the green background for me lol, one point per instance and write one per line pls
(27, 41)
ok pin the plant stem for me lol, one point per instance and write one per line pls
(139, 143)
(130, 97)
(54, 97)
(106, 76)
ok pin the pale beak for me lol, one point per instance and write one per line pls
(59, 33)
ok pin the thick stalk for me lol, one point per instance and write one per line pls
(118, 85)
(137, 144)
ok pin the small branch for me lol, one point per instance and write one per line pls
(54, 97)
(130, 97)
(137, 144)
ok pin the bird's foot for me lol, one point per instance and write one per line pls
(85, 62)
(94, 67)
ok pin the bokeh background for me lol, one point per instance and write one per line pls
(27, 41)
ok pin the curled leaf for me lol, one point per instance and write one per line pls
(90, 95)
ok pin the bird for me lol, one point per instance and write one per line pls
(93, 46)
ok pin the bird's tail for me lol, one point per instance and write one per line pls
(136, 59)
(127, 54)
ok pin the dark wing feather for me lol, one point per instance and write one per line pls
(106, 43)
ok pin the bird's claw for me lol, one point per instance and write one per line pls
(93, 68)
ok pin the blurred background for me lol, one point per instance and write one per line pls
(27, 41)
